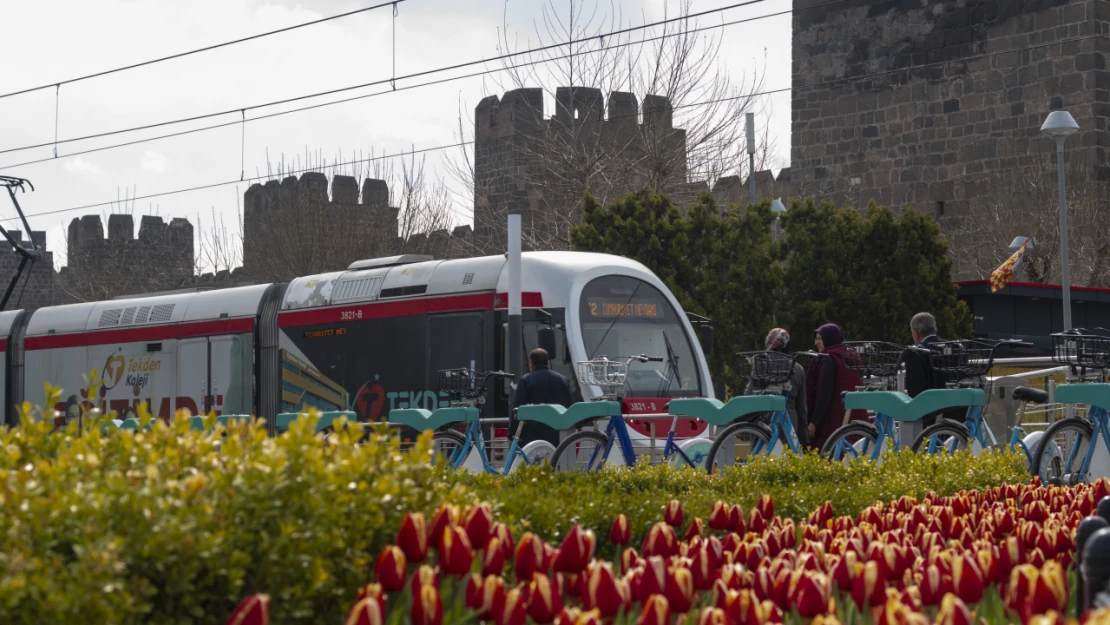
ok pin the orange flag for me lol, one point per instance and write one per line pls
(1001, 276)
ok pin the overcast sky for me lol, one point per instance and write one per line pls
(45, 42)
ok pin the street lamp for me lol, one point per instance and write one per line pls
(1060, 125)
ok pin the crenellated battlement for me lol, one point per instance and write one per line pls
(521, 111)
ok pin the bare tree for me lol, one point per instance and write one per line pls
(647, 109)
(1025, 202)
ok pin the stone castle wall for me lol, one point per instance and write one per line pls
(927, 103)
(36, 286)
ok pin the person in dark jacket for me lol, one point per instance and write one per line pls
(826, 379)
(920, 374)
(540, 386)
(778, 340)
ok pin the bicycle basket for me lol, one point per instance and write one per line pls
(962, 359)
(602, 372)
(765, 367)
(1081, 347)
(874, 359)
(460, 382)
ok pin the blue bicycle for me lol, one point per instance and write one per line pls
(590, 450)
(465, 450)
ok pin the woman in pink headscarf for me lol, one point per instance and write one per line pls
(826, 380)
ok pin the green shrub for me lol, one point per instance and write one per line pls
(548, 503)
(176, 526)
(165, 527)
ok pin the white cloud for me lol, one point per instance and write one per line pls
(80, 165)
(154, 161)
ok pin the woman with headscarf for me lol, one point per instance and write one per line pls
(778, 340)
(826, 380)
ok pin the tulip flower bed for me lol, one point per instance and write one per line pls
(176, 526)
(992, 556)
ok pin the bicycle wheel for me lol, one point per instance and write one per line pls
(850, 441)
(446, 446)
(942, 437)
(536, 452)
(734, 446)
(1073, 439)
(581, 451)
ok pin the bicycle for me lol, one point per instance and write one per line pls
(590, 450)
(466, 450)
(1088, 356)
(966, 362)
(879, 364)
(744, 436)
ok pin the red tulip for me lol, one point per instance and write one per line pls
(455, 553)
(656, 611)
(605, 592)
(734, 576)
(654, 578)
(493, 597)
(589, 617)
(368, 611)
(718, 516)
(672, 514)
(911, 598)
(660, 541)
(530, 557)
(1050, 591)
(712, 616)
(989, 565)
(254, 610)
(1022, 584)
(933, 585)
(371, 590)
(844, 571)
(515, 610)
(679, 589)
(389, 569)
(696, 528)
(953, 611)
(967, 579)
(576, 551)
(868, 587)
(446, 516)
(424, 576)
(473, 593)
(412, 538)
(769, 613)
(478, 524)
(703, 569)
(716, 550)
(493, 558)
(544, 601)
(736, 519)
(810, 593)
(743, 608)
(766, 507)
(621, 532)
(756, 522)
(427, 606)
(629, 559)
(505, 539)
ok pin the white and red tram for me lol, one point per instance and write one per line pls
(368, 339)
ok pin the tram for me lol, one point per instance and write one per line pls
(369, 339)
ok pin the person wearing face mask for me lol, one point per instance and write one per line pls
(826, 380)
(778, 340)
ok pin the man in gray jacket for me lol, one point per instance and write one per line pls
(778, 340)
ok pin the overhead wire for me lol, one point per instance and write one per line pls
(392, 90)
(385, 81)
(179, 55)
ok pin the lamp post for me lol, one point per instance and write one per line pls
(750, 118)
(1060, 125)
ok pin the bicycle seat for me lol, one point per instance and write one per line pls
(713, 412)
(900, 407)
(327, 419)
(560, 418)
(1090, 394)
(1024, 393)
(196, 422)
(421, 420)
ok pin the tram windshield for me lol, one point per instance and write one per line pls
(623, 317)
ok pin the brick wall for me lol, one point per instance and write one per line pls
(920, 102)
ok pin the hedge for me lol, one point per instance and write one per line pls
(176, 526)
